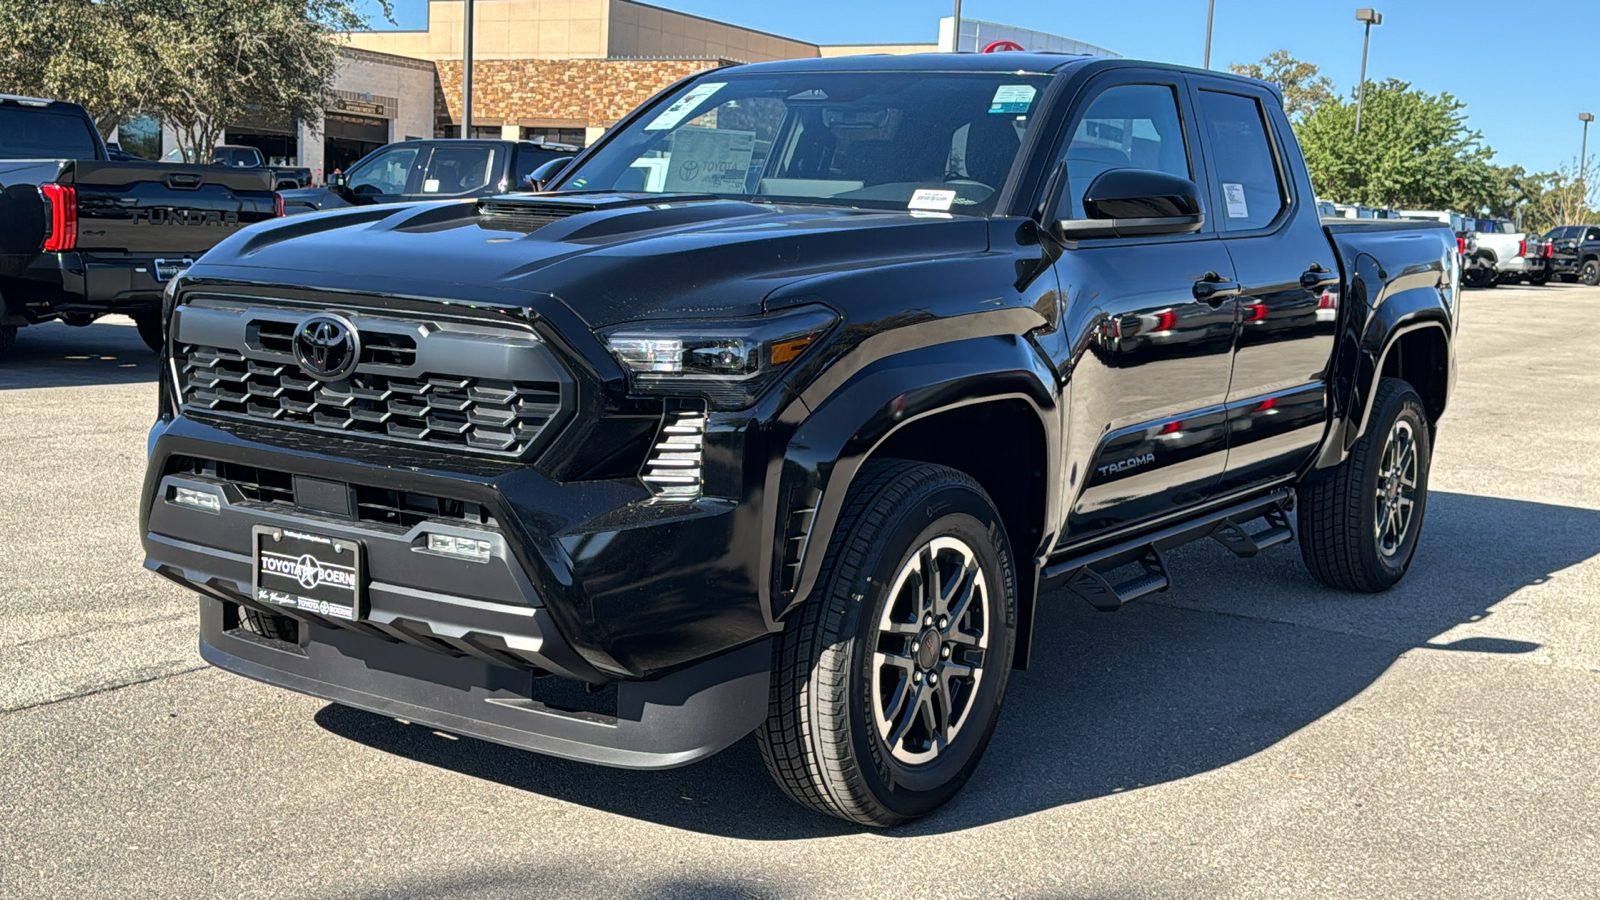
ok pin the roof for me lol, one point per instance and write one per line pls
(1012, 61)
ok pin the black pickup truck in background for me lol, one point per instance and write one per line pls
(82, 236)
(790, 408)
(442, 169)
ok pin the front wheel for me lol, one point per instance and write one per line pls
(1359, 522)
(1591, 272)
(889, 678)
(150, 330)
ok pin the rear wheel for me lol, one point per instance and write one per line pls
(889, 679)
(1568, 279)
(8, 339)
(1359, 522)
(1539, 279)
(1479, 278)
(150, 330)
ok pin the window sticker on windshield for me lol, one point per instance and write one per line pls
(1011, 99)
(431, 186)
(932, 198)
(709, 161)
(1234, 194)
(685, 105)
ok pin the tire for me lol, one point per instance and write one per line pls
(1539, 280)
(1591, 272)
(277, 628)
(1568, 279)
(1479, 278)
(853, 718)
(150, 330)
(1340, 511)
(8, 340)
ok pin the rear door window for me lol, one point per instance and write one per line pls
(1249, 187)
(1593, 234)
(455, 170)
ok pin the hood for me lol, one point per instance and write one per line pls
(609, 257)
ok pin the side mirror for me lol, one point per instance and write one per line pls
(545, 174)
(1129, 202)
(336, 180)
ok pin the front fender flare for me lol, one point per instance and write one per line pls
(830, 445)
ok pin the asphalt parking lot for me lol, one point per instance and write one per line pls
(1246, 734)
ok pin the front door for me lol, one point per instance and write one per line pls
(1149, 322)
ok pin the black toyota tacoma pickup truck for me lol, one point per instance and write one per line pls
(794, 441)
(82, 236)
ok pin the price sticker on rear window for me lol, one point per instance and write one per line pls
(684, 105)
(1012, 99)
(932, 199)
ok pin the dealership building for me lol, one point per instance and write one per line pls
(553, 70)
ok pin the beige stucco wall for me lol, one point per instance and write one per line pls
(579, 29)
(504, 29)
(867, 49)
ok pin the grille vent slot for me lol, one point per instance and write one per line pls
(673, 470)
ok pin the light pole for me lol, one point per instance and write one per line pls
(1211, 11)
(1371, 17)
(1583, 161)
(466, 71)
(955, 39)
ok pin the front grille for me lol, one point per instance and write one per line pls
(470, 388)
(377, 505)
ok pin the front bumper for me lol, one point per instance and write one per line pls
(671, 721)
(591, 586)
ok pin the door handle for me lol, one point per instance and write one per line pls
(1315, 277)
(1215, 292)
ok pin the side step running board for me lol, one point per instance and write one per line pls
(1232, 535)
(1088, 574)
(1101, 594)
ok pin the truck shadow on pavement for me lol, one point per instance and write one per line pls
(57, 355)
(1238, 656)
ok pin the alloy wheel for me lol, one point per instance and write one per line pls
(932, 643)
(1397, 489)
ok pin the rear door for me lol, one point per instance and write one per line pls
(1149, 363)
(1277, 405)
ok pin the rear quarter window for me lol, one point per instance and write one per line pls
(31, 133)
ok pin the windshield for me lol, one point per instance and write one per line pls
(30, 133)
(884, 140)
(238, 157)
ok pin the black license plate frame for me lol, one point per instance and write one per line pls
(309, 572)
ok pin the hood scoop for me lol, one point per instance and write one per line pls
(536, 210)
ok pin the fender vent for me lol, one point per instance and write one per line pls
(673, 470)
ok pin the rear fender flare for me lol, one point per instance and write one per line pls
(828, 448)
(1397, 315)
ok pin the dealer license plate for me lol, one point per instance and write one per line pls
(166, 269)
(310, 572)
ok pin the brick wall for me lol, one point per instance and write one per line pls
(592, 93)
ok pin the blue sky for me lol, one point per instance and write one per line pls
(1526, 103)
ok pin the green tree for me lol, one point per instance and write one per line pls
(1415, 150)
(217, 61)
(74, 50)
(1304, 87)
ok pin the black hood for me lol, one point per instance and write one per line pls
(609, 257)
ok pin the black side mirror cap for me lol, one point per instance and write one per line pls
(546, 173)
(1130, 202)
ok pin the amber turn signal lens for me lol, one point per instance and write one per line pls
(787, 351)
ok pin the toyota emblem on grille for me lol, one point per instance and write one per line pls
(326, 347)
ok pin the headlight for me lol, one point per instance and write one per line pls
(728, 362)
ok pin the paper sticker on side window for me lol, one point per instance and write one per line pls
(1234, 194)
(1012, 99)
(684, 105)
